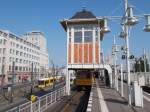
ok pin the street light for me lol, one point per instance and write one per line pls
(130, 19)
(147, 26)
(105, 28)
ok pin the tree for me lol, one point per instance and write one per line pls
(139, 65)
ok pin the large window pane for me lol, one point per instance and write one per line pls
(78, 37)
(88, 36)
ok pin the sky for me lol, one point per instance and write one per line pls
(20, 16)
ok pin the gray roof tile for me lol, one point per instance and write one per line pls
(84, 14)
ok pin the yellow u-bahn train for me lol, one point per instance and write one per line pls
(83, 78)
(46, 82)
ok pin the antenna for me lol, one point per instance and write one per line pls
(83, 5)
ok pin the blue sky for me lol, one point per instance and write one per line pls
(20, 16)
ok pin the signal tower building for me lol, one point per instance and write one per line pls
(84, 33)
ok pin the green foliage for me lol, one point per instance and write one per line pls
(139, 65)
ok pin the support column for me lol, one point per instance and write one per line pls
(67, 82)
(67, 74)
(99, 43)
(93, 45)
(72, 45)
(83, 45)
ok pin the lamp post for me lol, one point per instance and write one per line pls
(130, 20)
(53, 73)
(31, 91)
(115, 63)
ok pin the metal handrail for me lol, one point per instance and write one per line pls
(37, 106)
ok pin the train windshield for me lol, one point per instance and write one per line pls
(41, 82)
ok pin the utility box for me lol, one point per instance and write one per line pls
(137, 94)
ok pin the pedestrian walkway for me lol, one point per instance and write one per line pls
(104, 99)
(146, 99)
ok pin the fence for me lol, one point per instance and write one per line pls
(42, 103)
(137, 76)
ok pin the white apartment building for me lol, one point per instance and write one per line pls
(37, 38)
(23, 52)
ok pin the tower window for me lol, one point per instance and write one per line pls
(88, 36)
(78, 37)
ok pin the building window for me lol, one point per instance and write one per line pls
(16, 60)
(14, 44)
(10, 59)
(11, 43)
(13, 51)
(21, 53)
(96, 35)
(3, 60)
(96, 32)
(4, 50)
(9, 68)
(21, 47)
(16, 67)
(88, 37)
(1, 41)
(10, 51)
(17, 52)
(17, 45)
(69, 40)
(78, 37)
(4, 42)
(23, 68)
(20, 68)
(20, 60)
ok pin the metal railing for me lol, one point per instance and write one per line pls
(136, 76)
(42, 102)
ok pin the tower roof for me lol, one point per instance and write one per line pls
(84, 14)
(83, 17)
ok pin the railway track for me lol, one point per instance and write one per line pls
(76, 102)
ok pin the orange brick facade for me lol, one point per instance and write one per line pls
(85, 57)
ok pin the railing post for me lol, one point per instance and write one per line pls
(39, 108)
(51, 98)
(58, 94)
(55, 95)
(46, 101)
(121, 82)
(31, 110)
(18, 108)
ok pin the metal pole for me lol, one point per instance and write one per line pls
(121, 81)
(144, 53)
(31, 78)
(127, 58)
(2, 76)
(53, 73)
(13, 76)
(115, 58)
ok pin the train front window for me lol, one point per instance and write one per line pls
(46, 82)
(41, 82)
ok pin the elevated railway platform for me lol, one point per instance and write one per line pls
(105, 99)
